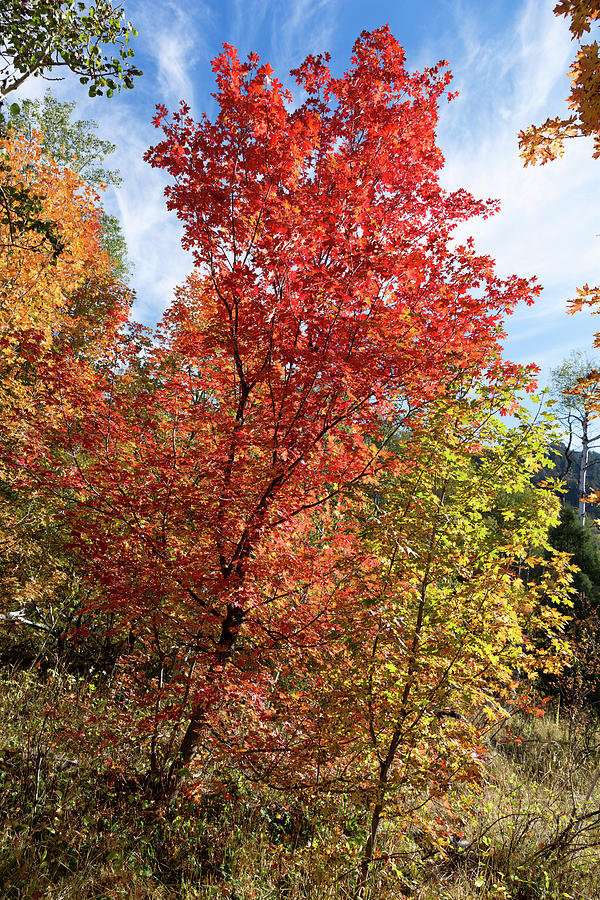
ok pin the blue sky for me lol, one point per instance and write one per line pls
(509, 59)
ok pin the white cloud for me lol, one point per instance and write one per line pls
(548, 224)
(174, 36)
(152, 233)
(173, 49)
(508, 76)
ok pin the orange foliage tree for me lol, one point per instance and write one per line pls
(46, 298)
(543, 143)
(35, 280)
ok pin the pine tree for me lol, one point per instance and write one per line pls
(582, 543)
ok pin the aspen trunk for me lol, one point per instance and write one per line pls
(585, 449)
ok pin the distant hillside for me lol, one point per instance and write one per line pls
(568, 469)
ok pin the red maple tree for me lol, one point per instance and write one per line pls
(329, 307)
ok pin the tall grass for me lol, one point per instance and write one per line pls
(76, 823)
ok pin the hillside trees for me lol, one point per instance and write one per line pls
(569, 536)
(329, 310)
(579, 683)
(576, 397)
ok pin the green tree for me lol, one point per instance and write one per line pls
(72, 144)
(569, 536)
(37, 36)
(579, 683)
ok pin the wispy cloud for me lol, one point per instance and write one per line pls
(509, 61)
(173, 50)
(294, 28)
(248, 20)
(549, 222)
(152, 233)
(309, 28)
(174, 38)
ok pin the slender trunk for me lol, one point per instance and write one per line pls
(583, 468)
(361, 891)
(229, 631)
(386, 763)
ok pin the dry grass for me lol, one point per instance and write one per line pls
(74, 828)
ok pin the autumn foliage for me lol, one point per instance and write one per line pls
(36, 281)
(285, 497)
(546, 142)
(56, 288)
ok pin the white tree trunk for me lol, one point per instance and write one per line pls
(585, 449)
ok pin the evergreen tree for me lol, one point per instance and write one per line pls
(582, 543)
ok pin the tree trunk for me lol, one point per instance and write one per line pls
(229, 632)
(361, 891)
(385, 764)
(585, 449)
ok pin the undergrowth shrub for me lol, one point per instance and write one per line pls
(78, 820)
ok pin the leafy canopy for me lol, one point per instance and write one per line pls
(41, 35)
(326, 346)
(76, 146)
(45, 300)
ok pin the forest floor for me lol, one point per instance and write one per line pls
(73, 827)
